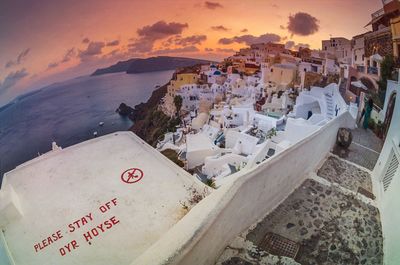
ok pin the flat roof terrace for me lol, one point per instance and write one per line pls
(104, 201)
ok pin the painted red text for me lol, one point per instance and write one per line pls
(48, 241)
(68, 248)
(107, 206)
(80, 222)
(101, 228)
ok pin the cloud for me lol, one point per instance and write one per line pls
(191, 40)
(302, 24)
(85, 40)
(161, 29)
(13, 78)
(301, 45)
(219, 28)
(52, 65)
(209, 49)
(151, 33)
(289, 44)
(9, 64)
(141, 45)
(69, 54)
(251, 39)
(212, 5)
(244, 30)
(176, 50)
(226, 50)
(20, 58)
(94, 48)
(275, 6)
(113, 53)
(113, 43)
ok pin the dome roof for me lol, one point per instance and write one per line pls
(199, 121)
(217, 72)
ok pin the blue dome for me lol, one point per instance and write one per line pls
(213, 66)
(217, 73)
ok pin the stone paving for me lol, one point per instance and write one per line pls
(331, 225)
(345, 174)
(364, 149)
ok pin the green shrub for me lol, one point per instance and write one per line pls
(210, 183)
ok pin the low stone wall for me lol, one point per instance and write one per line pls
(201, 236)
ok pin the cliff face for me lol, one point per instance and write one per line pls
(149, 123)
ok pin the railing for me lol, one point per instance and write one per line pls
(394, 75)
(378, 13)
(384, 2)
(361, 69)
(372, 70)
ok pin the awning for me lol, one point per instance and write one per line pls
(359, 85)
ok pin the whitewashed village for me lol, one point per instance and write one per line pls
(272, 164)
(249, 107)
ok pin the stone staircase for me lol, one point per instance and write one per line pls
(329, 106)
(327, 218)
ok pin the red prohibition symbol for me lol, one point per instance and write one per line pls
(132, 175)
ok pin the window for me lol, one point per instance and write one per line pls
(391, 168)
(355, 57)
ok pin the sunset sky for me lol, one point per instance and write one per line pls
(46, 41)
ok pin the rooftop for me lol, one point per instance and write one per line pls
(96, 194)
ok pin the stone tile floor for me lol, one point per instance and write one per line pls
(332, 225)
(364, 150)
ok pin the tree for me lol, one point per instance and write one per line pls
(387, 67)
(178, 104)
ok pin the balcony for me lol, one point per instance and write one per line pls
(372, 70)
(378, 13)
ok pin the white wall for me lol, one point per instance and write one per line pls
(201, 236)
(213, 166)
(389, 200)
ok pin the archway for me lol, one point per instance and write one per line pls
(389, 114)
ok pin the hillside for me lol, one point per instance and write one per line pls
(121, 66)
(152, 64)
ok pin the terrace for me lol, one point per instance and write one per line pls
(331, 218)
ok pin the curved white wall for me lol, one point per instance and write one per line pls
(201, 236)
(389, 199)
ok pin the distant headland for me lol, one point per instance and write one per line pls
(152, 64)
